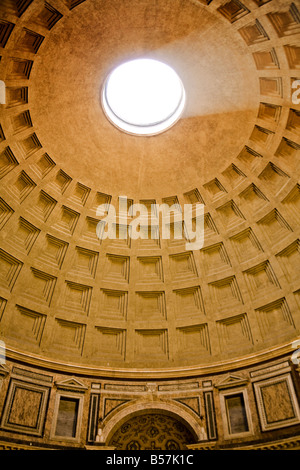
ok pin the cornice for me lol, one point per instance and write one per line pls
(146, 373)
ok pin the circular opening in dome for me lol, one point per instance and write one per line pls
(143, 97)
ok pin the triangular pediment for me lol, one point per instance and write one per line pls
(231, 381)
(71, 384)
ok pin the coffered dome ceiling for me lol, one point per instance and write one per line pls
(134, 306)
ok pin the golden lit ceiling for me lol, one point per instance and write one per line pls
(149, 304)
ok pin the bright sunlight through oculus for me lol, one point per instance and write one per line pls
(143, 97)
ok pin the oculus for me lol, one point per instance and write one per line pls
(143, 97)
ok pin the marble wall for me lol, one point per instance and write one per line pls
(253, 406)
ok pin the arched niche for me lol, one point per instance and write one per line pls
(155, 417)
